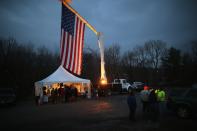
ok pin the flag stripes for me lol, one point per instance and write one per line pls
(71, 43)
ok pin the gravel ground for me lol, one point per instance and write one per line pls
(103, 114)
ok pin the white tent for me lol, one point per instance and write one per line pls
(63, 76)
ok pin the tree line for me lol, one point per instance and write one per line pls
(153, 63)
(22, 64)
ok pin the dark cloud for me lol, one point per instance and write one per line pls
(127, 22)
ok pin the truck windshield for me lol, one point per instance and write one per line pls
(124, 81)
(117, 81)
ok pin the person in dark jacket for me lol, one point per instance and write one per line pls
(131, 101)
(154, 109)
(66, 93)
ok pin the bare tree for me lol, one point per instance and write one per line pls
(129, 59)
(141, 56)
(112, 60)
(91, 65)
(129, 64)
(154, 50)
(21, 66)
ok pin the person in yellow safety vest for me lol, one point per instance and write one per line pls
(156, 91)
(161, 98)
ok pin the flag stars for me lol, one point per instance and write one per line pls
(68, 20)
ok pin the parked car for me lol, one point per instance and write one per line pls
(138, 85)
(7, 96)
(183, 103)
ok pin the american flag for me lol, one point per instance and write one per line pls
(72, 41)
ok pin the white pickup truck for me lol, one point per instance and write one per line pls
(121, 85)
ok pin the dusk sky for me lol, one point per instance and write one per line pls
(126, 22)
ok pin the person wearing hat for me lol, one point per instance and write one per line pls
(144, 95)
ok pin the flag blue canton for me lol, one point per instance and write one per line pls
(68, 20)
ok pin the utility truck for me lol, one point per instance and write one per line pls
(121, 85)
(117, 86)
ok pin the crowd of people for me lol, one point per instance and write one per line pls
(153, 100)
(153, 103)
(55, 95)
